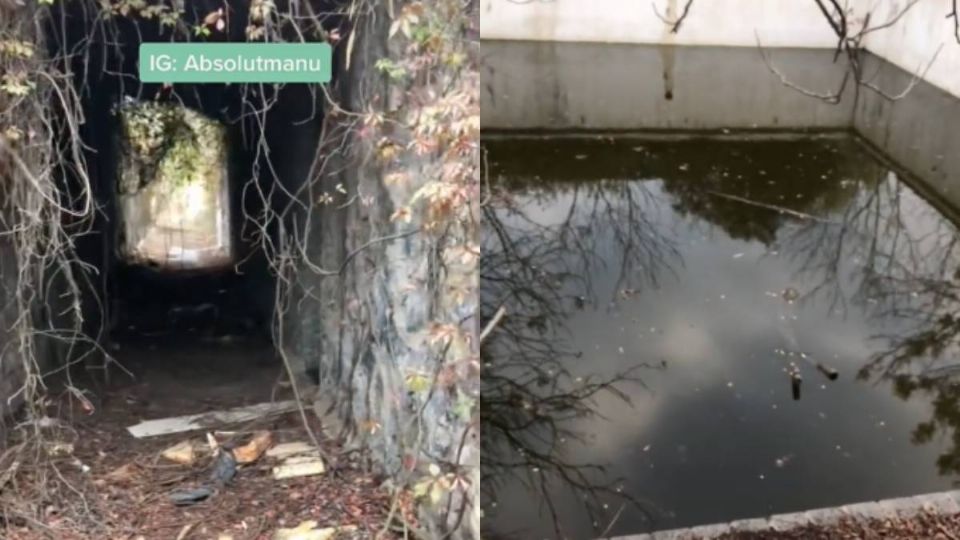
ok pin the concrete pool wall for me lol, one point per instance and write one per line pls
(910, 42)
(559, 86)
(551, 65)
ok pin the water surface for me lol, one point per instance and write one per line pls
(661, 291)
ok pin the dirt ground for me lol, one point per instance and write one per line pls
(87, 477)
(922, 526)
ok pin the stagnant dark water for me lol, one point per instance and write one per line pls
(660, 292)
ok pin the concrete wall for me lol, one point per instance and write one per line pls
(910, 43)
(11, 366)
(916, 37)
(532, 85)
(918, 132)
(367, 326)
(778, 23)
(543, 85)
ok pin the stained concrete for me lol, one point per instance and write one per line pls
(539, 85)
(917, 131)
(543, 86)
(947, 502)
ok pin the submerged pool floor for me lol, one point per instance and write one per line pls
(668, 304)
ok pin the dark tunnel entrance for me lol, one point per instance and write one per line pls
(135, 305)
(308, 363)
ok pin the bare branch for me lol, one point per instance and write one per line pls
(956, 20)
(674, 24)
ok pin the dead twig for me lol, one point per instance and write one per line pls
(850, 45)
(773, 207)
(493, 323)
(956, 20)
(674, 24)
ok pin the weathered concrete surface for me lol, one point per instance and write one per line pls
(918, 130)
(778, 23)
(541, 85)
(366, 329)
(589, 86)
(11, 364)
(947, 502)
(911, 42)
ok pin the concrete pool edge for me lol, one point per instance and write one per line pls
(944, 502)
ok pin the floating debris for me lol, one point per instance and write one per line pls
(828, 371)
(790, 295)
(796, 380)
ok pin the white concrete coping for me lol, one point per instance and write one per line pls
(945, 502)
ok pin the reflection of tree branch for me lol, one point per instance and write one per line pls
(531, 403)
(911, 273)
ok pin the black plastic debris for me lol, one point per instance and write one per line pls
(795, 381)
(830, 372)
(191, 496)
(224, 469)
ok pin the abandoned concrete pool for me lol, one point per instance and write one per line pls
(718, 283)
(224, 307)
(727, 299)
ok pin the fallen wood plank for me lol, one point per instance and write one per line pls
(295, 467)
(308, 531)
(208, 420)
(299, 448)
(184, 452)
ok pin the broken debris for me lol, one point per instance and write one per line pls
(224, 468)
(59, 448)
(308, 530)
(122, 475)
(184, 453)
(795, 381)
(191, 496)
(830, 372)
(250, 452)
(178, 424)
(290, 449)
(299, 466)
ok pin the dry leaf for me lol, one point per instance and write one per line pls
(250, 452)
(184, 453)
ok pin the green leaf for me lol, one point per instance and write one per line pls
(418, 382)
(463, 407)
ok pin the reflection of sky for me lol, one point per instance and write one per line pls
(701, 443)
